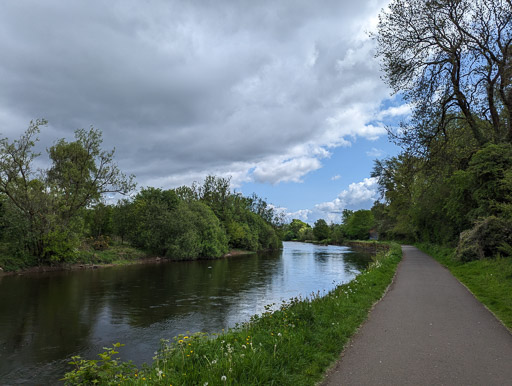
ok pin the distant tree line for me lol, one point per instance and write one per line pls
(50, 215)
(355, 225)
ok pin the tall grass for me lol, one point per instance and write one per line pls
(291, 345)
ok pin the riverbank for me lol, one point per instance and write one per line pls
(294, 344)
(490, 280)
(117, 254)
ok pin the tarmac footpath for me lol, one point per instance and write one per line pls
(427, 330)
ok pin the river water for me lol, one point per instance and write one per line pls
(47, 318)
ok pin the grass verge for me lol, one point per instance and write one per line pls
(490, 280)
(293, 345)
(117, 253)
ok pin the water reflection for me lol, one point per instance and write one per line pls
(47, 318)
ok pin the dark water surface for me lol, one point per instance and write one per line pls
(47, 318)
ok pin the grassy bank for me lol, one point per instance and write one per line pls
(292, 345)
(116, 253)
(489, 280)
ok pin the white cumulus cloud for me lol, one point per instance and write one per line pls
(358, 195)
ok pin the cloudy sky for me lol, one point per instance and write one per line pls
(283, 96)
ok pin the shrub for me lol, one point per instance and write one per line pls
(100, 243)
(485, 239)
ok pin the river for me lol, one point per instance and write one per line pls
(46, 318)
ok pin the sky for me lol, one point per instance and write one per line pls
(284, 97)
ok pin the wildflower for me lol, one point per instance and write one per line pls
(279, 334)
(180, 341)
(214, 361)
(223, 378)
(205, 384)
(185, 337)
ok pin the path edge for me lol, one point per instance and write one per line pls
(331, 369)
(509, 329)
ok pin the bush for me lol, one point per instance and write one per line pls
(100, 243)
(485, 239)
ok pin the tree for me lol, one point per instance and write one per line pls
(294, 229)
(321, 230)
(358, 225)
(81, 173)
(50, 200)
(452, 61)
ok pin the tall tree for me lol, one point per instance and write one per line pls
(51, 199)
(451, 60)
(321, 230)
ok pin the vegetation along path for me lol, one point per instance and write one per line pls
(427, 330)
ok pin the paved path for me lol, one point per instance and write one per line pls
(427, 330)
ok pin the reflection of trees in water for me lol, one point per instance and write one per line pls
(53, 316)
(45, 317)
(358, 260)
(152, 294)
(50, 316)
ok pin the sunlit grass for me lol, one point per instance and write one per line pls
(292, 344)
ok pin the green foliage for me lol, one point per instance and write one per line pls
(194, 231)
(456, 166)
(116, 252)
(60, 245)
(485, 239)
(359, 224)
(338, 235)
(321, 230)
(291, 344)
(168, 226)
(108, 370)
(484, 188)
(99, 220)
(46, 214)
(51, 201)
(100, 243)
(298, 230)
(249, 222)
(436, 199)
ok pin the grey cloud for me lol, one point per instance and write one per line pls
(189, 87)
